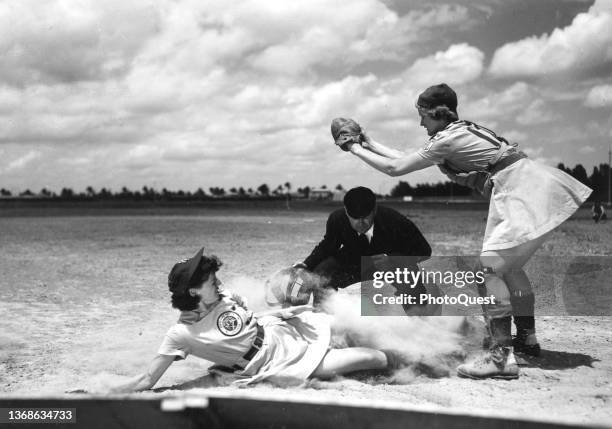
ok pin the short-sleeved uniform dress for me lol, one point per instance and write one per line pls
(291, 350)
(528, 198)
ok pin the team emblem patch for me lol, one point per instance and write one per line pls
(229, 323)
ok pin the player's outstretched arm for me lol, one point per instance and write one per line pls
(147, 380)
(392, 167)
(379, 148)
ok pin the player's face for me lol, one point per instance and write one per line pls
(209, 292)
(431, 125)
(362, 224)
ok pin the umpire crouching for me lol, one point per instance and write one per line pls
(364, 229)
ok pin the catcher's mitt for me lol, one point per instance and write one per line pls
(290, 286)
(346, 131)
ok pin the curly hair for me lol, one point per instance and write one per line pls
(183, 300)
(441, 112)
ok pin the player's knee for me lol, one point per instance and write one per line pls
(493, 266)
(496, 287)
(380, 360)
(367, 358)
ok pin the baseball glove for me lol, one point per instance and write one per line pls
(290, 286)
(346, 132)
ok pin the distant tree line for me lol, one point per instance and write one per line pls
(597, 180)
(263, 191)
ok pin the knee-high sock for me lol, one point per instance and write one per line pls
(522, 299)
(500, 323)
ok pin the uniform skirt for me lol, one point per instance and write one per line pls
(528, 200)
(292, 349)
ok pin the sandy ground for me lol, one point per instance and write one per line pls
(85, 305)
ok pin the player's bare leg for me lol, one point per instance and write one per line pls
(499, 362)
(343, 361)
(523, 300)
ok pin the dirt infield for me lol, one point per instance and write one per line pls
(85, 304)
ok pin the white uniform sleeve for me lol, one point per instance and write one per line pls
(437, 149)
(172, 345)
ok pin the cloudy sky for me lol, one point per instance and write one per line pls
(188, 94)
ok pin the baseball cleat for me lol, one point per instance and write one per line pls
(526, 343)
(498, 362)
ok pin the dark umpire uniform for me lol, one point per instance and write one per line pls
(338, 257)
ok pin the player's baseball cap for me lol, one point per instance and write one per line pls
(438, 95)
(359, 202)
(188, 272)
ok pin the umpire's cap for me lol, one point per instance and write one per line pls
(438, 95)
(189, 272)
(359, 202)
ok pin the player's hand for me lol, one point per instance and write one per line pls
(240, 300)
(380, 261)
(345, 143)
(366, 140)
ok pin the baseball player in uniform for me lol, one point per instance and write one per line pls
(287, 345)
(527, 201)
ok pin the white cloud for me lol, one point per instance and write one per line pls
(442, 15)
(459, 64)
(58, 41)
(188, 93)
(599, 96)
(501, 103)
(536, 153)
(586, 149)
(538, 112)
(513, 136)
(583, 45)
(23, 161)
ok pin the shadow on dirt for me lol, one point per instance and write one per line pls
(550, 359)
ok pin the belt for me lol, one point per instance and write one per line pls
(257, 343)
(505, 162)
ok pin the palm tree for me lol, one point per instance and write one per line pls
(263, 189)
(288, 195)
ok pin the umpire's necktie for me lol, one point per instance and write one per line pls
(364, 244)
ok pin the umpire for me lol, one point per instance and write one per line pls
(364, 229)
